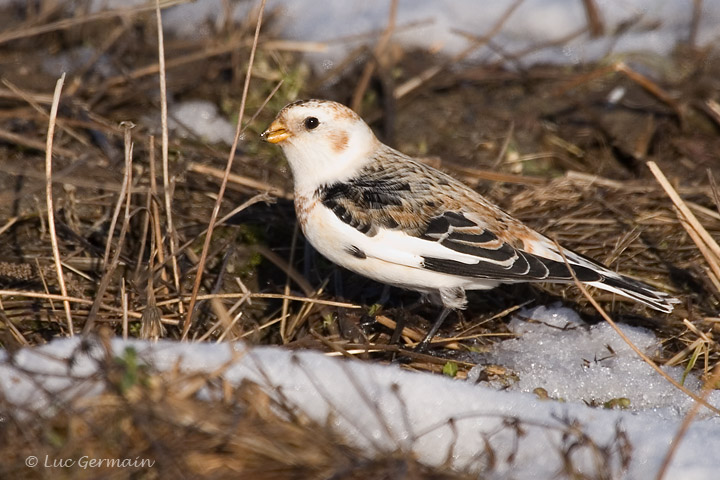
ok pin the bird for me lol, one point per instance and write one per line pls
(390, 217)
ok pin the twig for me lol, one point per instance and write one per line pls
(704, 250)
(145, 227)
(594, 20)
(112, 265)
(649, 86)
(109, 308)
(712, 108)
(337, 348)
(10, 222)
(429, 73)
(44, 282)
(182, 61)
(33, 144)
(24, 31)
(124, 304)
(279, 296)
(166, 170)
(286, 290)
(210, 52)
(369, 68)
(46, 296)
(515, 57)
(304, 313)
(681, 355)
(35, 96)
(695, 23)
(493, 176)
(38, 108)
(157, 238)
(68, 175)
(644, 82)
(415, 335)
(239, 179)
(216, 305)
(285, 267)
(710, 249)
(714, 188)
(265, 325)
(231, 157)
(228, 328)
(15, 332)
(506, 143)
(123, 191)
(49, 199)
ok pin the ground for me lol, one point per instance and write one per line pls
(549, 144)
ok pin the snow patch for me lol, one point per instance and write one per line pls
(383, 408)
(200, 118)
(573, 361)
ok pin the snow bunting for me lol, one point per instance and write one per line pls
(387, 216)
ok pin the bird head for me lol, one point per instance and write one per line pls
(323, 141)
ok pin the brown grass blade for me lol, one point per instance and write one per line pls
(49, 199)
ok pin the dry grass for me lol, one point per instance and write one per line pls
(128, 238)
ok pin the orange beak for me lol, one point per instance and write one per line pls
(276, 132)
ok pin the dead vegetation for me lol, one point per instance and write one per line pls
(128, 232)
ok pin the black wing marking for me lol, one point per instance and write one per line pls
(356, 252)
(441, 225)
(526, 267)
(354, 220)
(496, 259)
(377, 199)
(353, 200)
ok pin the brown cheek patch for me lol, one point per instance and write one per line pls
(339, 141)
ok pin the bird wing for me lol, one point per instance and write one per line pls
(497, 253)
(420, 217)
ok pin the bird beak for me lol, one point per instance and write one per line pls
(276, 132)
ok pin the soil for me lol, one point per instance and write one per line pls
(563, 148)
(569, 158)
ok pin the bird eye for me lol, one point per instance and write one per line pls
(311, 122)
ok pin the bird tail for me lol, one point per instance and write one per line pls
(620, 284)
(636, 290)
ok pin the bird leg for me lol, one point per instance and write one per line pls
(422, 346)
(452, 298)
